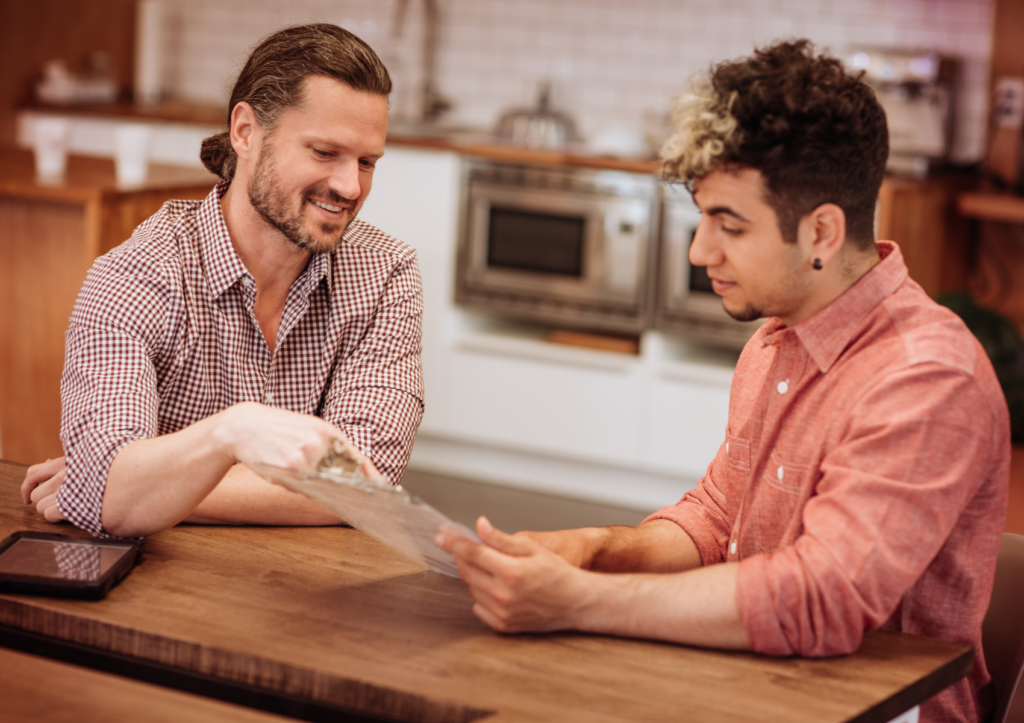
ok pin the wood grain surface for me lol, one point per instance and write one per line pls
(45, 691)
(330, 615)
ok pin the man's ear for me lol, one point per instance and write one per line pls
(822, 232)
(245, 131)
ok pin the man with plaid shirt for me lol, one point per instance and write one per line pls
(265, 323)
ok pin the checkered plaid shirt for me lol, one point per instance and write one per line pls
(164, 334)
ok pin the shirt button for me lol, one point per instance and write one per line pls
(783, 387)
(780, 474)
(732, 548)
(727, 448)
(270, 398)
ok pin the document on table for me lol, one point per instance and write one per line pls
(388, 514)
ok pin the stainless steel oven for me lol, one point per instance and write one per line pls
(567, 246)
(686, 304)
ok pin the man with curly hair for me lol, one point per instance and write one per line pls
(862, 482)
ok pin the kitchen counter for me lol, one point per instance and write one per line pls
(51, 235)
(91, 179)
(465, 141)
(168, 111)
(484, 146)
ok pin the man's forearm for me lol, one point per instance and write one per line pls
(696, 608)
(243, 497)
(655, 546)
(156, 483)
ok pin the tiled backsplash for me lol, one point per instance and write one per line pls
(609, 62)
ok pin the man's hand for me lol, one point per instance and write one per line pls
(517, 583)
(253, 432)
(41, 485)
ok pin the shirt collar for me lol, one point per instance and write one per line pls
(224, 268)
(826, 334)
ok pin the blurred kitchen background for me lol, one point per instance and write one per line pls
(543, 410)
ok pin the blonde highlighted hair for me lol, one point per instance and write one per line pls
(705, 131)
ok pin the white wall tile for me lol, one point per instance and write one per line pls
(607, 60)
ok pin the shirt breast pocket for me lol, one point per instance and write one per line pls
(784, 475)
(775, 505)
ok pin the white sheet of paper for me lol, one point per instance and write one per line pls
(388, 514)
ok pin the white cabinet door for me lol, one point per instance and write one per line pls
(415, 198)
(552, 407)
(687, 425)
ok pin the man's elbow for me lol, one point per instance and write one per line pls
(121, 520)
(820, 639)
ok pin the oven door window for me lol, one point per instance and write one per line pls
(537, 242)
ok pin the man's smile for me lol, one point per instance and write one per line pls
(327, 206)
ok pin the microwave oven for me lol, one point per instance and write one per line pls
(567, 246)
(686, 305)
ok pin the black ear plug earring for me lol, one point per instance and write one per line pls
(817, 264)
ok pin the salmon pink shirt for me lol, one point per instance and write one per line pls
(863, 479)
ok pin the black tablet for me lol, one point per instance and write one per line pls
(42, 563)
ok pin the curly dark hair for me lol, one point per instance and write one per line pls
(815, 131)
(273, 76)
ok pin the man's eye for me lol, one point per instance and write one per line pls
(367, 164)
(732, 231)
(320, 153)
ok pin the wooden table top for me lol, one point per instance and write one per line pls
(44, 691)
(329, 615)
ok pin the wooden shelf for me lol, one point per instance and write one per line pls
(991, 207)
(175, 111)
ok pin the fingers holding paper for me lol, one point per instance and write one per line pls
(517, 584)
(258, 433)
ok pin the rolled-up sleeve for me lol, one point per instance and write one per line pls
(707, 512)
(109, 392)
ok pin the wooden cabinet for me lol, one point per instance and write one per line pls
(49, 236)
(920, 216)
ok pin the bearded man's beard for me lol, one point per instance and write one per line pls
(748, 313)
(268, 197)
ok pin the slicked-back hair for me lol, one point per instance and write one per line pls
(273, 76)
(815, 131)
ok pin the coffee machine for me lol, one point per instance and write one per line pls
(916, 91)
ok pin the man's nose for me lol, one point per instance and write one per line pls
(345, 179)
(703, 250)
